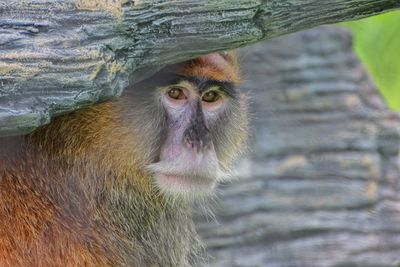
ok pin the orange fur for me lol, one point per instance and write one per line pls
(38, 230)
(35, 232)
(218, 66)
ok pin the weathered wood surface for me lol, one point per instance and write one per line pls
(58, 55)
(320, 185)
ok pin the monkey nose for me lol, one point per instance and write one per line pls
(197, 145)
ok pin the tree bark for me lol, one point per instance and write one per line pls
(57, 56)
(320, 186)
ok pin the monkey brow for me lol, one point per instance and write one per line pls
(203, 84)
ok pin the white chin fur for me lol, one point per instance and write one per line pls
(184, 185)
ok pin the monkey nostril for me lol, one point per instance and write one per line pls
(199, 146)
(198, 140)
(188, 142)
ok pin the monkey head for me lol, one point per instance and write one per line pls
(201, 126)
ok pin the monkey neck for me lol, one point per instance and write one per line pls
(91, 172)
(169, 225)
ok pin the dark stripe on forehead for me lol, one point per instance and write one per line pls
(203, 84)
(159, 80)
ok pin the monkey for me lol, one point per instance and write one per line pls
(113, 184)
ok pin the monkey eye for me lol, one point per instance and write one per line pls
(176, 93)
(210, 96)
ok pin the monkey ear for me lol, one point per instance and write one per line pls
(143, 74)
(230, 56)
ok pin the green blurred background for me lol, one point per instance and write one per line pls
(377, 43)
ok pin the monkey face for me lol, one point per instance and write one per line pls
(188, 160)
(193, 126)
(203, 135)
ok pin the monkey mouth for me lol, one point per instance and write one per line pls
(183, 171)
(187, 180)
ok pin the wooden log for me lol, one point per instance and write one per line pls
(59, 55)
